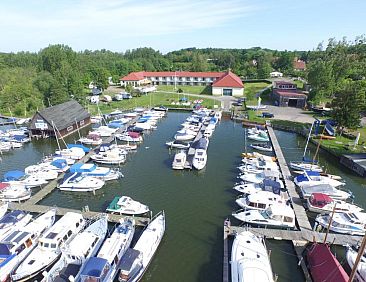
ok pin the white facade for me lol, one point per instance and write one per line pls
(219, 91)
(276, 74)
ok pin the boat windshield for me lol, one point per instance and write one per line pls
(266, 214)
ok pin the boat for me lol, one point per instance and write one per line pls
(126, 205)
(18, 244)
(3, 209)
(85, 244)
(160, 108)
(178, 144)
(179, 160)
(259, 177)
(130, 136)
(322, 203)
(279, 216)
(305, 166)
(201, 143)
(91, 139)
(185, 135)
(199, 159)
(74, 153)
(135, 262)
(249, 259)
(266, 185)
(48, 250)
(12, 221)
(329, 129)
(261, 200)
(326, 189)
(262, 136)
(312, 178)
(104, 173)
(17, 177)
(322, 136)
(80, 146)
(323, 265)
(346, 223)
(104, 131)
(261, 107)
(109, 157)
(208, 132)
(262, 147)
(254, 155)
(104, 266)
(333, 176)
(351, 255)
(14, 192)
(96, 119)
(77, 182)
(258, 165)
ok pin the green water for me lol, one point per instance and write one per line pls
(196, 203)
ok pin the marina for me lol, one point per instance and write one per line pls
(149, 179)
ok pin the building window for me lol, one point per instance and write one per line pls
(82, 123)
(70, 128)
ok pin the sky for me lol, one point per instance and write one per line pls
(167, 25)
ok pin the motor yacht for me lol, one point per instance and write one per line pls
(104, 173)
(351, 255)
(178, 144)
(126, 205)
(260, 200)
(77, 182)
(259, 177)
(199, 159)
(312, 178)
(12, 221)
(326, 189)
(14, 192)
(179, 160)
(346, 223)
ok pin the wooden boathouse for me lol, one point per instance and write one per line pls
(66, 117)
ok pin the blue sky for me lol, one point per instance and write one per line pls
(167, 25)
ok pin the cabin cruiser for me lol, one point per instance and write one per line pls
(91, 139)
(178, 144)
(266, 147)
(267, 185)
(255, 155)
(312, 178)
(77, 182)
(85, 244)
(326, 189)
(17, 177)
(258, 165)
(74, 153)
(126, 205)
(3, 209)
(185, 135)
(305, 166)
(259, 177)
(351, 255)
(145, 125)
(18, 244)
(14, 192)
(104, 173)
(109, 157)
(179, 160)
(249, 259)
(347, 223)
(199, 159)
(136, 261)
(104, 266)
(104, 131)
(48, 250)
(260, 200)
(322, 203)
(5, 147)
(13, 221)
(261, 137)
(130, 136)
(281, 216)
(256, 130)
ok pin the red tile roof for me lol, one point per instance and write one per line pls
(290, 93)
(299, 65)
(135, 76)
(229, 79)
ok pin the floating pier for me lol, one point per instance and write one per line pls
(303, 232)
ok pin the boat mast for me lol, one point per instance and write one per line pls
(317, 148)
(359, 256)
(77, 126)
(54, 130)
(15, 125)
(330, 222)
(307, 141)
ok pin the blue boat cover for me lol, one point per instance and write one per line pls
(275, 186)
(115, 125)
(94, 267)
(82, 168)
(330, 130)
(200, 144)
(13, 175)
(304, 177)
(85, 149)
(20, 137)
(59, 163)
(105, 147)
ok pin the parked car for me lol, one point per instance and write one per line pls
(267, 115)
(126, 96)
(117, 97)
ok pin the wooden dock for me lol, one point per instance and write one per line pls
(32, 206)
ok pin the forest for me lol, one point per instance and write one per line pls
(32, 80)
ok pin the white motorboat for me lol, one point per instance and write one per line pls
(104, 173)
(5, 146)
(266, 185)
(199, 159)
(126, 205)
(261, 137)
(346, 223)
(281, 216)
(91, 139)
(326, 189)
(260, 200)
(104, 266)
(312, 178)
(266, 147)
(256, 130)
(14, 192)
(130, 136)
(48, 250)
(18, 244)
(17, 177)
(258, 165)
(145, 125)
(249, 259)
(351, 255)
(110, 157)
(179, 160)
(137, 260)
(322, 203)
(73, 153)
(305, 166)
(77, 182)
(178, 144)
(254, 155)
(41, 171)
(259, 177)
(13, 221)
(85, 245)
(208, 132)
(104, 131)
(184, 136)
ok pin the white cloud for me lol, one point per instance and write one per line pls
(118, 19)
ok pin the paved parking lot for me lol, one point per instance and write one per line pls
(290, 113)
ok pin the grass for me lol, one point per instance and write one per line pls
(152, 99)
(186, 89)
(252, 88)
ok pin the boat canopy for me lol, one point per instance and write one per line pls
(82, 168)
(85, 149)
(94, 267)
(133, 134)
(128, 259)
(59, 163)
(13, 175)
(306, 175)
(320, 199)
(272, 186)
(323, 264)
(200, 144)
(20, 137)
(4, 186)
(115, 124)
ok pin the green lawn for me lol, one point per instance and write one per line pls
(186, 89)
(251, 88)
(152, 99)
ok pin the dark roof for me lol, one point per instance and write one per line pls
(64, 115)
(290, 93)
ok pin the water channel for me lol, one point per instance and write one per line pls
(195, 203)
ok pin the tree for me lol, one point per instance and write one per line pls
(199, 63)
